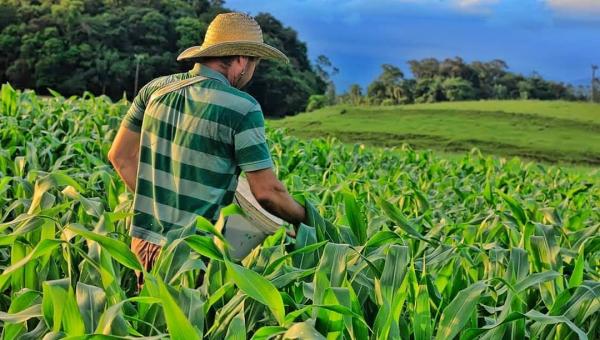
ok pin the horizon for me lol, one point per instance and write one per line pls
(558, 39)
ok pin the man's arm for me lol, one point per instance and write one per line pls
(273, 197)
(125, 149)
(123, 155)
(253, 157)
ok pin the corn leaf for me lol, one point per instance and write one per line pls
(456, 315)
(258, 288)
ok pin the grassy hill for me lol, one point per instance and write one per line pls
(553, 131)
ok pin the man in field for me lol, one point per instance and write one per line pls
(187, 137)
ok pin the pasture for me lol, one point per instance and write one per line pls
(548, 131)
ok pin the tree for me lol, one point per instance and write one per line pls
(425, 68)
(284, 89)
(390, 75)
(189, 32)
(511, 81)
(389, 87)
(285, 39)
(429, 90)
(355, 94)
(325, 70)
(315, 102)
(76, 45)
(500, 92)
(488, 74)
(457, 88)
(281, 89)
(376, 92)
(453, 68)
(8, 15)
(103, 67)
(525, 89)
(454, 79)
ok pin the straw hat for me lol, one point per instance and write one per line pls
(233, 34)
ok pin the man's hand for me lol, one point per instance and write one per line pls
(123, 155)
(273, 197)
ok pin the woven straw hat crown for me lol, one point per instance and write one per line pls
(233, 34)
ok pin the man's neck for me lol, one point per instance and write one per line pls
(210, 71)
(218, 67)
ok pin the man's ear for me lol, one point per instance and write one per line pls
(243, 60)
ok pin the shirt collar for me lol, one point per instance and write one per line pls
(205, 71)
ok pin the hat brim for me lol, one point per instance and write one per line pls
(229, 48)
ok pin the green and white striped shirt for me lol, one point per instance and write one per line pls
(194, 142)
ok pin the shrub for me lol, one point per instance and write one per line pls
(315, 102)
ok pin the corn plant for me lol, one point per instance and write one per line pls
(399, 244)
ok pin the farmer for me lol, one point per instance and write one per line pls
(187, 137)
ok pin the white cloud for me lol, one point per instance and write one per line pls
(574, 6)
(474, 5)
(366, 6)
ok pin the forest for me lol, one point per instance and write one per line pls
(73, 46)
(453, 79)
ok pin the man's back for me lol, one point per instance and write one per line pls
(194, 142)
(183, 143)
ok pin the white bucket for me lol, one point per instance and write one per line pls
(245, 233)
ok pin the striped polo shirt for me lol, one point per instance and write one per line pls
(194, 142)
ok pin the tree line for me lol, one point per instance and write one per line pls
(73, 46)
(453, 79)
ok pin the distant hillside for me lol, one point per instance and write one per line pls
(545, 130)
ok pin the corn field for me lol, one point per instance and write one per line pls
(399, 244)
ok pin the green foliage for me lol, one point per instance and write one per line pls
(284, 89)
(316, 102)
(429, 90)
(355, 94)
(457, 89)
(454, 80)
(398, 245)
(389, 88)
(95, 45)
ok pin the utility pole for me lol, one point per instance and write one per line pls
(593, 93)
(138, 60)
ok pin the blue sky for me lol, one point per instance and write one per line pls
(559, 39)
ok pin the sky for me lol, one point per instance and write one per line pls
(559, 39)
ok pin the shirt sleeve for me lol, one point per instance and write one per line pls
(135, 115)
(251, 149)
